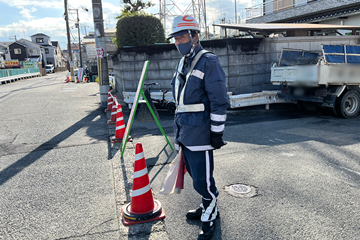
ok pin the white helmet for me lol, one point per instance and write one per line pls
(183, 23)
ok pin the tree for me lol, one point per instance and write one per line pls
(131, 8)
(135, 7)
(139, 29)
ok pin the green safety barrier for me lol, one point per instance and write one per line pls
(19, 71)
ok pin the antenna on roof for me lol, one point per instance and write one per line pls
(13, 37)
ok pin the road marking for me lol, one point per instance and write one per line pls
(288, 154)
(279, 140)
(68, 89)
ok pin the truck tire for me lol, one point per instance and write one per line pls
(311, 107)
(348, 104)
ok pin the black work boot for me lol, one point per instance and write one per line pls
(207, 230)
(195, 214)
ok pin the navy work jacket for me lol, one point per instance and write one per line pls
(205, 85)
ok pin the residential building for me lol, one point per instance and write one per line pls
(50, 50)
(18, 51)
(345, 12)
(61, 61)
(90, 46)
(4, 47)
(36, 52)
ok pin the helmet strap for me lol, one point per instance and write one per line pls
(193, 43)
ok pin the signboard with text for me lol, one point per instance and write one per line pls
(12, 63)
(100, 52)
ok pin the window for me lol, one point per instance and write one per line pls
(40, 40)
(17, 50)
(46, 51)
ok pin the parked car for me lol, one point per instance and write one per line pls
(49, 68)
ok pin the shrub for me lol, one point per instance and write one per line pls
(139, 29)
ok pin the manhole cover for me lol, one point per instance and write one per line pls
(241, 190)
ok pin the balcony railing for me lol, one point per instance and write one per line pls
(272, 6)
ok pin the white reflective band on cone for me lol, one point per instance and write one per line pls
(139, 156)
(140, 173)
(120, 118)
(120, 127)
(140, 191)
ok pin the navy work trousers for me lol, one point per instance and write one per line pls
(200, 165)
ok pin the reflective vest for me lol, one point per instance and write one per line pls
(180, 106)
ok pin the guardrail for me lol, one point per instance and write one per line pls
(18, 71)
(13, 75)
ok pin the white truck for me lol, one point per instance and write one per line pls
(329, 78)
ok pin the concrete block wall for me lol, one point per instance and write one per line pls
(246, 62)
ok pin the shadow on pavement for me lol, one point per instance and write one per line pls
(40, 151)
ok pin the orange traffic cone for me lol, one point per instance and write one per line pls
(110, 101)
(67, 78)
(142, 208)
(113, 112)
(77, 79)
(120, 126)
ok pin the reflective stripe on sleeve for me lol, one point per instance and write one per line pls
(217, 128)
(217, 117)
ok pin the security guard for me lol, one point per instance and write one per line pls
(201, 102)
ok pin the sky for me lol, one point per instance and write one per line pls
(23, 18)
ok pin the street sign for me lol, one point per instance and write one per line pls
(100, 52)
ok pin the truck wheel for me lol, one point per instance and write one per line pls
(308, 106)
(348, 105)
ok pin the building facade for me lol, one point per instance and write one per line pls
(50, 50)
(18, 51)
(344, 12)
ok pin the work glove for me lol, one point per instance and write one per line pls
(216, 140)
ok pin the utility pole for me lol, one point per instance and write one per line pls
(101, 43)
(78, 25)
(70, 60)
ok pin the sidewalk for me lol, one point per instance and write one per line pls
(56, 178)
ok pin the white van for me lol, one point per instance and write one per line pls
(49, 68)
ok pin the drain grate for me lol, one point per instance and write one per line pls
(241, 190)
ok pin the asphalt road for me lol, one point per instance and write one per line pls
(60, 178)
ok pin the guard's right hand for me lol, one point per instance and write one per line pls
(216, 140)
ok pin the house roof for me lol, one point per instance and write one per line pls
(5, 44)
(22, 44)
(280, 27)
(29, 43)
(39, 34)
